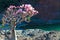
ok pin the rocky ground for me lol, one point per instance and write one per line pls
(37, 34)
(30, 34)
(6, 35)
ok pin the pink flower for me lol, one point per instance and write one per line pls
(24, 12)
(34, 12)
(9, 9)
(18, 11)
(28, 7)
(22, 6)
(11, 6)
(31, 8)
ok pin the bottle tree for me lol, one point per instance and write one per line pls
(18, 14)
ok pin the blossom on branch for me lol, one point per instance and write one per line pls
(20, 13)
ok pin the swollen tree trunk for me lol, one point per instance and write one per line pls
(12, 30)
(12, 33)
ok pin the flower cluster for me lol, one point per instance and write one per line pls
(17, 14)
(24, 8)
